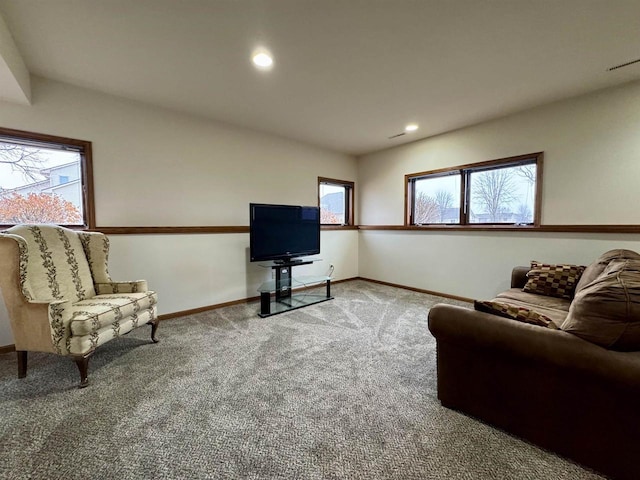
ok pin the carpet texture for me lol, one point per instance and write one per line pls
(341, 389)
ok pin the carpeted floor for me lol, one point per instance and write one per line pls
(342, 389)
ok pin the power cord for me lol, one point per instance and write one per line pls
(330, 271)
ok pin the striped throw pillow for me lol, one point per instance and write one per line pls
(513, 312)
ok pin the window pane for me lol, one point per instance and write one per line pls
(40, 185)
(437, 200)
(502, 195)
(332, 204)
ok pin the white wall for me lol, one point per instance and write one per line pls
(154, 167)
(591, 159)
(475, 264)
(591, 172)
(190, 271)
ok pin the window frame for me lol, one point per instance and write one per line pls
(465, 171)
(348, 199)
(84, 149)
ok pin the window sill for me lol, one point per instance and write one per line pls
(511, 228)
(338, 227)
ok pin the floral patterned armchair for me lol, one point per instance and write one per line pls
(60, 297)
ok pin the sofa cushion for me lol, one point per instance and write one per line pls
(534, 300)
(521, 314)
(594, 270)
(91, 315)
(554, 308)
(607, 310)
(553, 280)
(79, 345)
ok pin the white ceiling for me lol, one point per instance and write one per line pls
(348, 73)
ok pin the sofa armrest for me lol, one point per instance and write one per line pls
(121, 287)
(519, 276)
(475, 330)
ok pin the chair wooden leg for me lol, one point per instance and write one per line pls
(83, 366)
(22, 363)
(154, 328)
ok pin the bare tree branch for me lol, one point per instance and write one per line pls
(494, 190)
(444, 200)
(426, 209)
(524, 214)
(25, 160)
(528, 172)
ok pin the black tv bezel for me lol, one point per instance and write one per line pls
(289, 257)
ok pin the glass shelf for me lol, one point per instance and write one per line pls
(293, 263)
(296, 300)
(296, 282)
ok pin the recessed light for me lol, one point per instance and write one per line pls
(412, 127)
(262, 60)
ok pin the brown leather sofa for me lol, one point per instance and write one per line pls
(548, 386)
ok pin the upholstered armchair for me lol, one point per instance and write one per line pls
(60, 297)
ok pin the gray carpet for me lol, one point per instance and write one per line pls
(342, 389)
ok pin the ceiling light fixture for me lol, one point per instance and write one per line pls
(411, 127)
(262, 60)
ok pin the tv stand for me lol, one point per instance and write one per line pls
(291, 262)
(283, 285)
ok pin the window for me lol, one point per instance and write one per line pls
(496, 192)
(335, 198)
(45, 179)
(437, 198)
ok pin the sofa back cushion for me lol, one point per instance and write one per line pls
(594, 270)
(607, 310)
(54, 265)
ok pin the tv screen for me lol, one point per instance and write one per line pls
(283, 232)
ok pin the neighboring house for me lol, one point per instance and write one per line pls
(503, 217)
(451, 215)
(62, 180)
(334, 203)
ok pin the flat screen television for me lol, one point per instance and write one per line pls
(283, 232)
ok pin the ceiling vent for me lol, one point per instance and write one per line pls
(623, 65)
(396, 135)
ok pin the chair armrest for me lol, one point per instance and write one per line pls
(59, 314)
(519, 276)
(40, 326)
(109, 288)
(475, 330)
